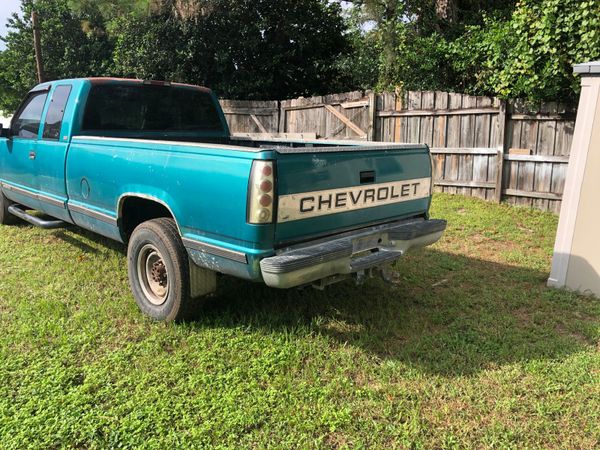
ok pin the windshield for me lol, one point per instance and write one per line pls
(152, 108)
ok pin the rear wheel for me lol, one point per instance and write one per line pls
(159, 271)
(6, 218)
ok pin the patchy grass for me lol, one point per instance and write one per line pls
(468, 348)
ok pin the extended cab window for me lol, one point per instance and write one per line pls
(138, 108)
(26, 123)
(56, 111)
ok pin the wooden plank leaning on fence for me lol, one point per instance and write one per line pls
(346, 121)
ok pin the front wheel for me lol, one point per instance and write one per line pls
(159, 271)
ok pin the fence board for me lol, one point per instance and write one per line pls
(426, 122)
(452, 140)
(239, 115)
(388, 101)
(467, 139)
(414, 123)
(564, 137)
(440, 122)
(547, 130)
(481, 139)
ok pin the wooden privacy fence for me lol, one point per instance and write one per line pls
(481, 146)
(251, 116)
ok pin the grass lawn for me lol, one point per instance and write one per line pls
(467, 348)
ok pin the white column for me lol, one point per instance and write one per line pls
(572, 206)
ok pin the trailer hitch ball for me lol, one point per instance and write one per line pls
(386, 273)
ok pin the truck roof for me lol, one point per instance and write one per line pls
(100, 80)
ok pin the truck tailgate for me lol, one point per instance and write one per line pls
(325, 190)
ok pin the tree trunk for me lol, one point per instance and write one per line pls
(37, 46)
(445, 9)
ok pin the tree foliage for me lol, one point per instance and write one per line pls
(532, 54)
(114, 8)
(510, 49)
(241, 48)
(415, 38)
(74, 44)
(267, 49)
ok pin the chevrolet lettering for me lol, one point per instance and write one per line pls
(320, 203)
(153, 165)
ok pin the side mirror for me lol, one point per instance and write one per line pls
(4, 132)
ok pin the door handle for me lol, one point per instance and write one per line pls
(31, 155)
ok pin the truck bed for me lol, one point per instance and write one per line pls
(281, 145)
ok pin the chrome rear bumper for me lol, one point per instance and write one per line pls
(349, 253)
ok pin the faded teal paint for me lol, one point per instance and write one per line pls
(204, 188)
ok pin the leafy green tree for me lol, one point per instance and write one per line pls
(241, 48)
(532, 55)
(115, 8)
(73, 45)
(511, 49)
(414, 37)
(362, 64)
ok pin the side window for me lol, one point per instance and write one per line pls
(26, 123)
(56, 111)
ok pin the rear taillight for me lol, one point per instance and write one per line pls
(261, 195)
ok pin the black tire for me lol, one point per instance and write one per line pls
(160, 236)
(6, 218)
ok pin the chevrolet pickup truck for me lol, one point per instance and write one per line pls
(153, 165)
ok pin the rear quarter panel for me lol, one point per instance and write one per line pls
(205, 188)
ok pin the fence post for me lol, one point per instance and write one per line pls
(282, 117)
(502, 127)
(372, 131)
(278, 117)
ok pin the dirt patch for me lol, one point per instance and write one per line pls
(575, 335)
(336, 440)
(523, 316)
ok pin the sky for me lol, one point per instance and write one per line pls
(7, 7)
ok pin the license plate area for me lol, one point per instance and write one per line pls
(365, 243)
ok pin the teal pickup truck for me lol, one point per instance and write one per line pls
(153, 165)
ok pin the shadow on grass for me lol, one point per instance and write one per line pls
(77, 237)
(446, 313)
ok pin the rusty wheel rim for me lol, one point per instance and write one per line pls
(153, 275)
